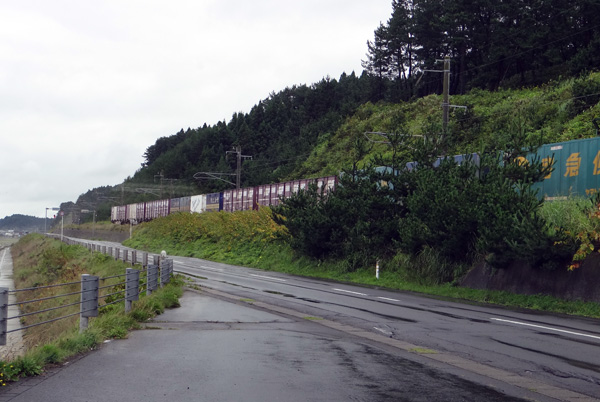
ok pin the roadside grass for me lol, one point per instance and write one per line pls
(270, 251)
(100, 226)
(40, 261)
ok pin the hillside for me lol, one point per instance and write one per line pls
(558, 111)
(23, 223)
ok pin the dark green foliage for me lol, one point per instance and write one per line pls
(507, 44)
(483, 207)
(440, 210)
(27, 366)
(279, 133)
(357, 222)
(51, 354)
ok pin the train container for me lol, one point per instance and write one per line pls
(246, 202)
(118, 214)
(238, 199)
(327, 183)
(271, 194)
(231, 200)
(263, 194)
(131, 213)
(298, 185)
(114, 210)
(181, 204)
(158, 208)
(214, 202)
(140, 212)
(185, 204)
(576, 169)
(277, 194)
(198, 203)
(174, 205)
(228, 200)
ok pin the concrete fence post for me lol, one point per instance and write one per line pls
(166, 269)
(132, 286)
(144, 260)
(152, 279)
(3, 315)
(133, 257)
(89, 300)
(117, 253)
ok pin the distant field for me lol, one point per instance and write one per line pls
(7, 241)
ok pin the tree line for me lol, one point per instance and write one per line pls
(491, 44)
(279, 133)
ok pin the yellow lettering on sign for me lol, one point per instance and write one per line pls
(547, 162)
(597, 164)
(522, 161)
(573, 164)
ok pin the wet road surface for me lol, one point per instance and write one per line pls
(217, 350)
(518, 353)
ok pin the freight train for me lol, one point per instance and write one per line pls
(242, 199)
(576, 173)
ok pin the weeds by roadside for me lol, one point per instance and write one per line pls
(41, 261)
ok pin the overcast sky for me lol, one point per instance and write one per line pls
(87, 86)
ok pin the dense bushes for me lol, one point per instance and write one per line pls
(478, 209)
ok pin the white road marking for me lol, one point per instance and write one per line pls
(212, 269)
(348, 291)
(269, 277)
(383, 331)
(388, 299)
(547, 328)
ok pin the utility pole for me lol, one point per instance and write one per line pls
(446, 93)
(446, 89)
(238, 172)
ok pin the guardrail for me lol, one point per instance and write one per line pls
(93, 296)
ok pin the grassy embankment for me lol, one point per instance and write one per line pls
(40, 261)
(252, 239)
(555, 112)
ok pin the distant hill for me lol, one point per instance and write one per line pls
(21, 223)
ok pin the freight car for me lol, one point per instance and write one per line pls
(576, 173)
(243, 199)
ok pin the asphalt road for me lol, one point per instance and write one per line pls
(213, 349)
(560, 351)
(520, 353)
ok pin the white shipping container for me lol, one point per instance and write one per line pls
(198, 203)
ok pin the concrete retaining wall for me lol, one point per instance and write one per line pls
(580, 284)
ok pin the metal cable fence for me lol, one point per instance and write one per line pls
(42, 310)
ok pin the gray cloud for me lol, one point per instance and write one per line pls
(88, 86)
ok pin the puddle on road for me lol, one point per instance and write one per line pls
(292, 296)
